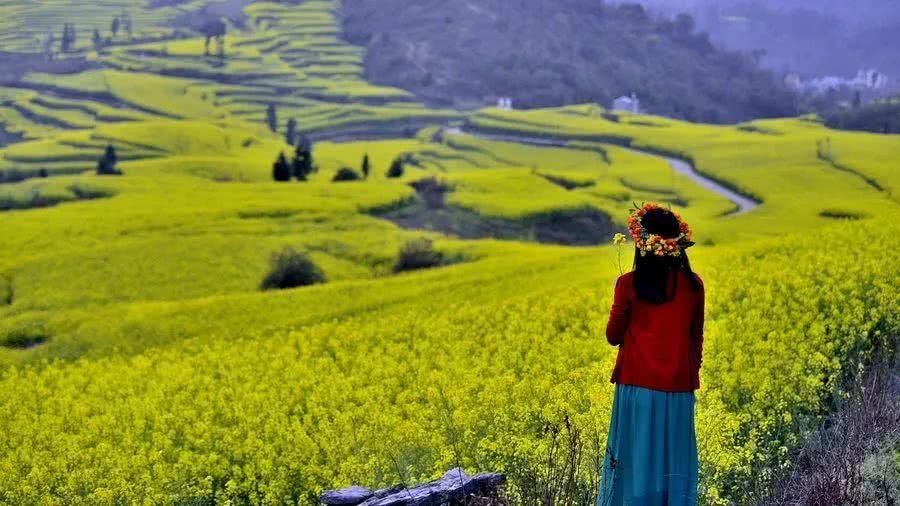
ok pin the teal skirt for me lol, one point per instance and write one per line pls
(651, 454)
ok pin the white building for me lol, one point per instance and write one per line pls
(627, 104)
(870, 79)
(505, 103)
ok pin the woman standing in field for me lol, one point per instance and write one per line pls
(657, 322)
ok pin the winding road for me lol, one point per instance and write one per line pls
(743, 203)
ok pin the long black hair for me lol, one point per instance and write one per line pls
(656, 277)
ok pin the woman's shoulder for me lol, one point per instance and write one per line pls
(697, 277)
(698, 282)
(623, 282)
(626, 278)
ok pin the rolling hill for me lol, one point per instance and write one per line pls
(549, 53)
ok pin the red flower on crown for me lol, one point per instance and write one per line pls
(654, 244)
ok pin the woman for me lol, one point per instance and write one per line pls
(657, 322)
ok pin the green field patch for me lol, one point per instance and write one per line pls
(568, 181)
(843, 214)
(431, 210)
(38, 193)
(23, 340)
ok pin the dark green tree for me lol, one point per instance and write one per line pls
(302, 165)
(281, 171)
(304, 143)
(215, 29)
(857, 99)
(106, 166)
(49, 40)
(290, 136)
(97, 40)
(366, 167)
(126, 23)
(396, 168)
(66, 41)
(272, 118)
(114, 27)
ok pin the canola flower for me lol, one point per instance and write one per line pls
(278, 419)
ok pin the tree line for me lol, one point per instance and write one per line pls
(301, 166)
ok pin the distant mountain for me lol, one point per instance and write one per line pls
(810, 37)
(554, 52)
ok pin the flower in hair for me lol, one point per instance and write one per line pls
(654, 244)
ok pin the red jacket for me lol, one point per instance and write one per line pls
(660, 345)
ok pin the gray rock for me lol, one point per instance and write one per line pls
(455, 485)
(350, 496)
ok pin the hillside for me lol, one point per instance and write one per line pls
(549, 53)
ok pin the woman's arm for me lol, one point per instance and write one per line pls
(619, 314)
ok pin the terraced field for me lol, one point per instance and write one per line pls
(140, 362)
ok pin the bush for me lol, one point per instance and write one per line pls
(418, 254)
(281, 171)
(291, 269)
(396, 168)
(346, 174)
(106, 166)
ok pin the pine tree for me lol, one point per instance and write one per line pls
(280, 169)
(304, 142)
(65, 40)
(272, 118)
(49, 40)
(290, 135)
(396, 169)
(366, 167)
(114, 27)
(97, 40)
(126, 23)
(857, 99)
(302, 165)
(73, 36)
(214, 29)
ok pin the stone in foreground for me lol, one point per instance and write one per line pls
(452, 488)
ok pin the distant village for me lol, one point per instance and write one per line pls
(865, 80)
(625, 103)
(868, 80)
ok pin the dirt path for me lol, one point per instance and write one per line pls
(743, 204)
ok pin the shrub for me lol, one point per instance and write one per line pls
(291, 269)
(396, 169)
(346, 174)
(302, 164)
(418, 254)
(841, 214)
(281, 171)
(106, 166)
(431, 191)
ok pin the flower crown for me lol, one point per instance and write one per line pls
(655, 244)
